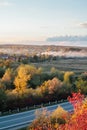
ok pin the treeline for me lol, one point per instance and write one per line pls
(24, 85)
(27, 58)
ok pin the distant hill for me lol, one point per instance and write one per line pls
(67, 38)
(61, 51)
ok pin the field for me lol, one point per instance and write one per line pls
(77, 65)
(67, 58)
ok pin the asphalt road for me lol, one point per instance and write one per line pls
(19, 120)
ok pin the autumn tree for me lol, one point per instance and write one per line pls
(54, 86)
(21, 79)
(68, 78)
(68, 82)
(42, 121)
(60, 119)
(8, 78)
(44, 88)
(78, 120)
(24, 74)
(59, 116)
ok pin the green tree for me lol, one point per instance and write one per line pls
(35, 81)
(56, 73)
(81, 85)
(2, 71)
(3, 99)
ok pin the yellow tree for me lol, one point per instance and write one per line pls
(8, 75)
(8, 78)
(59, 115)
(24, 74)
(44, 88)
(67, 77)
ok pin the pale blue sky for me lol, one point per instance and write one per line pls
(37, 20)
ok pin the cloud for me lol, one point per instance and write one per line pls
(5, 3)
(84, 25)
(66, 38)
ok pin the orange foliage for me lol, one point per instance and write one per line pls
(77, 121)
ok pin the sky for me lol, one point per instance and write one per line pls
(37, 20)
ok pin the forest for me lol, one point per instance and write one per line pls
(32, 80)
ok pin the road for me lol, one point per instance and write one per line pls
(19, 120)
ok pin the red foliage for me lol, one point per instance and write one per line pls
(76, 100)
(77, 121)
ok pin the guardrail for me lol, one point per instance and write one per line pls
(27, 108)
(27, 122)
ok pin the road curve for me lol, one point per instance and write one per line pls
(19, 120)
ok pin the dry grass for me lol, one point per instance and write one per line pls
(77, 65)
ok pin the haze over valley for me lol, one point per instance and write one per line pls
(53, 50)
